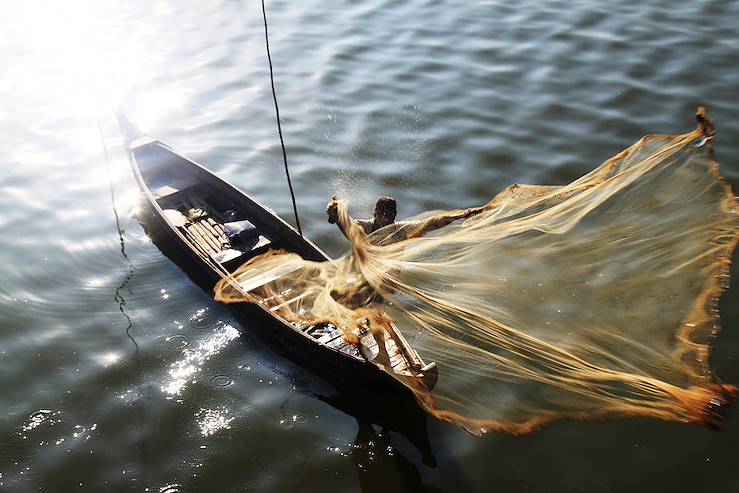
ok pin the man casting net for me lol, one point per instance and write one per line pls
(589, 300)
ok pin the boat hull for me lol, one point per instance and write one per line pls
(333, 366)
(189, 211)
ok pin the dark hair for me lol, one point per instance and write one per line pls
(387, 206)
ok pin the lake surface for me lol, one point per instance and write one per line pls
(440, 104)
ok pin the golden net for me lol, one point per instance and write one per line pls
(590, 300)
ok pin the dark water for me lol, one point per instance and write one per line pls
(441, 104)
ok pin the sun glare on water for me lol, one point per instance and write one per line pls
(108, 359)
(77, 59)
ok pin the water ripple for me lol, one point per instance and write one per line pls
(440, 104)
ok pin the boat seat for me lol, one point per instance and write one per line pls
(254, 278)
(242, 234)
(171, 187)
(245, 237)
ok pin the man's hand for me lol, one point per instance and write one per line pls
(332, 209)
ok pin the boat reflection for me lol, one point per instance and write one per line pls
(379, 402)
(380, 466)
(391, 410)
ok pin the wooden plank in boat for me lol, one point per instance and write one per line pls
(209, 228)
(329, 339)
(199, 240)
(202, 204)
(258, 279)
(212, 247)
(368, 341)
(336, 342)
(226, 255)
(218, 226)
(207, 237)
(396, 359)
(349, 349)
(194, 242)
(293, 300)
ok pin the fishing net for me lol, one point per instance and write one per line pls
(590, 300)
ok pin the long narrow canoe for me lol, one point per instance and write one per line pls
(200, 213)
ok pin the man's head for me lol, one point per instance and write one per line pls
(385, 211)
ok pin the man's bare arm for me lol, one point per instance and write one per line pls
(441, 220)
(332, 209)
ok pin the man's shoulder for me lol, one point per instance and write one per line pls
(366, 224)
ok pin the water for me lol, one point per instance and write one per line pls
(440, 104)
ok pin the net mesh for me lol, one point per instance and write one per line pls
(590, 300)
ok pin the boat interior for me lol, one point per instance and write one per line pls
(225, 228)
(223, 225)
(216, 228)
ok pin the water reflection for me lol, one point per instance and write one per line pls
(110, 358)
(396, 411)
(69, 63)
(124, 285)
(170, 488)
(184, 371)
(380, 466)
(212, 420)
(491, 79)
(39, 417)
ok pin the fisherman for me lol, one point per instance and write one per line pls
(390, 231)
(385, 211)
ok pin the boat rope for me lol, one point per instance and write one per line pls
(118, 296)
(277, 112)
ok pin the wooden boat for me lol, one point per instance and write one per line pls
(195, 209)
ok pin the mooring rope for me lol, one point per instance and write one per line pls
(277, 112)
(118, 297)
